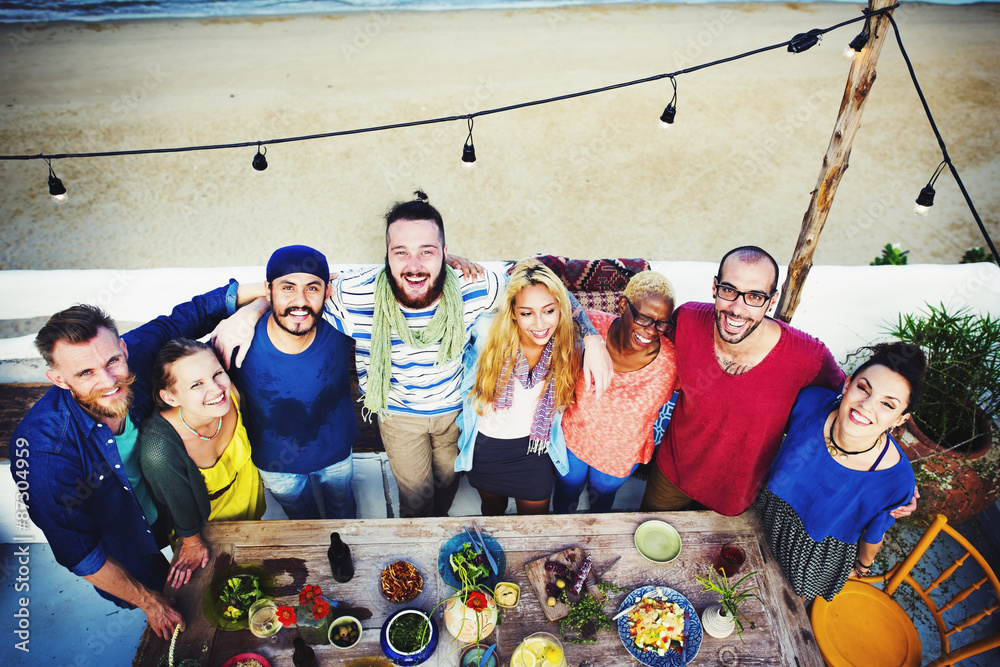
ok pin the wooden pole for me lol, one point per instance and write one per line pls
(835, 162)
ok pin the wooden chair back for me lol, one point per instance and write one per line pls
(902, 572)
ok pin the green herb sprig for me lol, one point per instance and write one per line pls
(587, 616)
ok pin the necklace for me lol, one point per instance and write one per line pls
(833, 447)
(188, 427)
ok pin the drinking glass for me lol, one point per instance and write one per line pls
(264, 621)
(731, 557)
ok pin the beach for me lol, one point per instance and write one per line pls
(589, 177)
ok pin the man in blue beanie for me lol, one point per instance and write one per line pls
(295, 383)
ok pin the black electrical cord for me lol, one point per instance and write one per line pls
(445, 119)
(940, 140)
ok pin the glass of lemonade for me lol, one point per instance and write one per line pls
(539, 650)
(263, 617)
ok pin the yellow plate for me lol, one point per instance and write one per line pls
(658, 541)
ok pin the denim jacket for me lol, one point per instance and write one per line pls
(468, 419)
(76, 488)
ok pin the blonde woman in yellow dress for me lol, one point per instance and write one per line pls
(195, 453)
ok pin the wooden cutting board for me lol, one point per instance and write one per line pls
(538, 576)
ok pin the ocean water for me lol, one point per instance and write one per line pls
(40, 11)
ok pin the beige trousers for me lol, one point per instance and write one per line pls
(422, 453)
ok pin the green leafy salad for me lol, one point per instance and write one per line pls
(469, 567)
(238, 594)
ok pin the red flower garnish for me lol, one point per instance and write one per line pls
(308, 594)
(476, 600)
(286, 615)
(321, 608)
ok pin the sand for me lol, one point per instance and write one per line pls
(590, 177)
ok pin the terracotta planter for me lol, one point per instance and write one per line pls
(959, 485)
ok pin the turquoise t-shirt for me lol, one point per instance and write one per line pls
(130, 457)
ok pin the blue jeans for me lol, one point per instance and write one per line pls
(601, 487)
(294, 491)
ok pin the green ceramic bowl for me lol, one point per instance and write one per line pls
(658, 541)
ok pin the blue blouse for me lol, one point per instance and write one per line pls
(833, 500)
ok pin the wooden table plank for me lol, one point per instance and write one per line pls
(295, 551)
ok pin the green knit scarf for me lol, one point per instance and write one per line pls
(447, 326)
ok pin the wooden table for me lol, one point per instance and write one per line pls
(295, 553)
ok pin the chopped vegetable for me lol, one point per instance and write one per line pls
(657, 625)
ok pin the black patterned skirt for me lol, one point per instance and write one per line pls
(504, 468)
(813, 568)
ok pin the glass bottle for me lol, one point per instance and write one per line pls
(340, 559)
(303, 656)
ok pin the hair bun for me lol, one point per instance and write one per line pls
(420, 195)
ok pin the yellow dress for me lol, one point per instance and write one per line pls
(235, 490)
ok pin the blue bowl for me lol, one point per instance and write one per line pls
(416, 657)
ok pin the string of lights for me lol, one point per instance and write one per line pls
(797, 44)
(926, 198)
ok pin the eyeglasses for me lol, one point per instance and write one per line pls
(663, 326)
(730, 293)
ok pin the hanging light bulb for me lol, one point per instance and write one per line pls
(805, 41)
(858, 43)
(670, 112)
(924, 201)
(926, 198)
(259, 161)
(469, 150)
(56, 188)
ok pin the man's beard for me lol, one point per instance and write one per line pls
(118, 410)
(433, 294)
(733, 339)
(297, 332)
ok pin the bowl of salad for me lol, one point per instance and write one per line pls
(462, 566)
(662, 630)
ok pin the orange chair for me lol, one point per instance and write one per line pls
(864, 627)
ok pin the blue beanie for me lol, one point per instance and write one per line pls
(297, 259)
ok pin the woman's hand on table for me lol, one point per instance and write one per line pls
(193, 554)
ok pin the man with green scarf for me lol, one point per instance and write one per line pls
(410, 321)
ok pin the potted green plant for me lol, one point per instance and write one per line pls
(949, 440)
(719, 620)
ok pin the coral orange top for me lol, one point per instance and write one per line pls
(616, 433)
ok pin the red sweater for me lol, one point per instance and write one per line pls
(726, 429)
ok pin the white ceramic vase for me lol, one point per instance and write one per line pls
(467, 625)
(715, 624)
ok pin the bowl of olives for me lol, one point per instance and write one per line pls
(345, 632)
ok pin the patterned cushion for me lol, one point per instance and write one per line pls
(597, 283)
